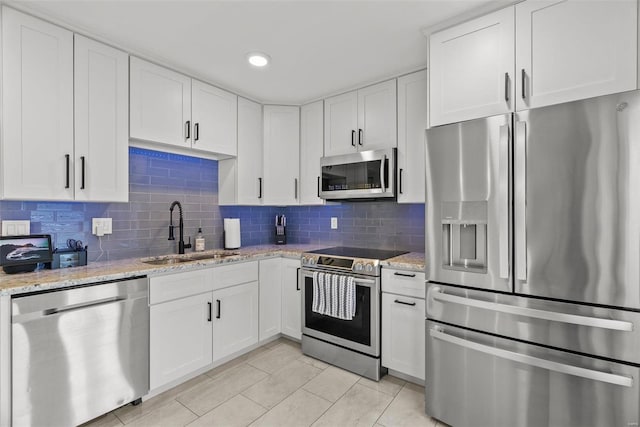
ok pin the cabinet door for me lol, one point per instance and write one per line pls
(160, 105)
(235, 319)
(291, 299)
(311, 150)
(403, 336)
(412, 125)
(270, 297)
(377, 116)
(180, 338)
(471, 69)
(281, 155)
(215, 119)
(101, 122)
(249, 160)
(340, 124)
(570, 50)
(37, 109)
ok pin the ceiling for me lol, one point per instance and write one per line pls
(317, 48)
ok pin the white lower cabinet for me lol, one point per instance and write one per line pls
(200, 317)
(291, 298)
(403, 323)
(180, 338)
(270, 297)
(235, 319)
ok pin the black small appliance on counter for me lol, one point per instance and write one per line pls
(281, 230)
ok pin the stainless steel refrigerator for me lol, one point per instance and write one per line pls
(533, 267)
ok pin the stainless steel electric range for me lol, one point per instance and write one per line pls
(350, 344)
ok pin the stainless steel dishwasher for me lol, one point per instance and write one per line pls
(79, 353)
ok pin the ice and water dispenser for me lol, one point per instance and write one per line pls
(464, 236)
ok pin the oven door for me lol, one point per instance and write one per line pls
(362, 333)
(367, 174)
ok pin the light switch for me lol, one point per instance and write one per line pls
(334, 223)
(16, 228)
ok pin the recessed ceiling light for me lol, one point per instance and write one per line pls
(258, 59)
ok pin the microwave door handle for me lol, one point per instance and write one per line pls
(383, 182)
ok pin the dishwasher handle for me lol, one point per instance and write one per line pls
(75, 307)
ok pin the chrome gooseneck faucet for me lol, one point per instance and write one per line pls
(181, 244)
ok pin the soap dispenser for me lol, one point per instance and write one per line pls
(199, 241)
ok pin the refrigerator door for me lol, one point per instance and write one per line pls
(468, 198)
(576, 201)
(477, 379)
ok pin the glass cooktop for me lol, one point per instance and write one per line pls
(344, 251)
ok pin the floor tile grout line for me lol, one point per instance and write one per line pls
(188, 409)
(333, 404)
(257, 403)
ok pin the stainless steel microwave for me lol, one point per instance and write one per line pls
(357, 176)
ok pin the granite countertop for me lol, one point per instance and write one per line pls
(122, 269)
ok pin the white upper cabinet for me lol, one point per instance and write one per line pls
(160, 106)
(570, 50)
(281, 155)
(361, 120)
(412, 125)
(311, 151)
(471, 69)
(341, 124)
(37, 109)
(377, 116)
(101, 122)
(214, 119)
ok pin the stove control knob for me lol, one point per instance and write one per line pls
(305, 261)
(369, 268)
(358, 266)
(312, 261)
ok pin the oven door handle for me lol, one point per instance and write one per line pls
(355, 279)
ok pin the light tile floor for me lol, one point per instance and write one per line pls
(276, 385)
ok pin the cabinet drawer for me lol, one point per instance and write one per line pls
(178, 285)
(402, 282)
(235, 274)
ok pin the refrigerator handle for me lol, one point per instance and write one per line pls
(437, 294)
(503, 202)
(521, 201)
(549, 365)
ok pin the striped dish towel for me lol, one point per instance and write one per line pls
(334, 295)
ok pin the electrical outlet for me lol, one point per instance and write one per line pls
(101, 226)
(334, 223)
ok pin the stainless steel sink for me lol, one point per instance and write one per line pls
(188, 258)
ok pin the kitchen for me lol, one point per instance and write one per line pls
(223, 183)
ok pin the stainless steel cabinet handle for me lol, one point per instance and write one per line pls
(196, 132)
(359, 136)
(404, 274)
(400, 181)
(210, 309)
(66, 158)
(438, 294)
(525, 359)
(259, 188)
(383, 183)
(298, 279)
(523, 77)
(82, 161)
(506, 87)
(187, 131)
(405, 303)
(503, 202)
(219, 306)
(520, 220)
(318, 187)
(353, 138)
(295, 188)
